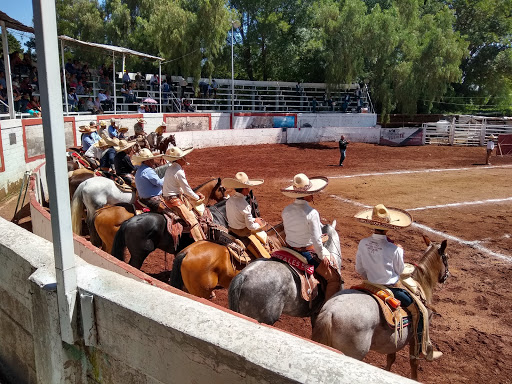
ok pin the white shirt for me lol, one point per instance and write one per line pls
(378, 260)
(302, 226)
(238, 213)
(94, 152)
(175, 182)
(490, 145)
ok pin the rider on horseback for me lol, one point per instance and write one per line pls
(304, 231)
(112, 129)
(108, 155)
(155, 138)
(177, 194)
(140, 135)
(149, 185)
(240, 220)
(89, 136)
(381, 262)
(123, 163)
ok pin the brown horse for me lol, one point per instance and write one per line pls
(164, 144)
(108, 219)
(76, 177)
(204, 265)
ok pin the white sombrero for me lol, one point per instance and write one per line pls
(492, 137)
(144, 155)
(304, 186)
(87, 128)
(124, 145)
(102, 143)
(241, 180)
(380, 217)
(176, 153)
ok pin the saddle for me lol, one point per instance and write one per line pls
(299, 266)
(77, 158)
(119, 182)
(219, 235)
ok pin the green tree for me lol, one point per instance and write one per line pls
(12, 42)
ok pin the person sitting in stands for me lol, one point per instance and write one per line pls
(187, 106)
(126, 77)
(97, 105)
(72, 99)
(141, 109)
(149, 185)
(123, 163)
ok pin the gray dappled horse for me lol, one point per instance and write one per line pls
(351, 320)
(267, 288)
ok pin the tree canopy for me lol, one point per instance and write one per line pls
(415, 56)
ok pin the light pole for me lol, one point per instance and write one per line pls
(234, 24)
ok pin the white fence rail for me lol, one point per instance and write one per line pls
(462, 134)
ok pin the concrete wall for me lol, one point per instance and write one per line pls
(133, 332)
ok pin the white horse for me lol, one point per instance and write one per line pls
(351, 320)
(95, 193)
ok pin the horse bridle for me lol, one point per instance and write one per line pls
(446, 274)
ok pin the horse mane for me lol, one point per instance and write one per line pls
(427, 271)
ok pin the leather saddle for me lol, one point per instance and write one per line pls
(299, 266)
(219, 234)
(119, 182)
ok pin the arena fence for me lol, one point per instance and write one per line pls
(446, 133)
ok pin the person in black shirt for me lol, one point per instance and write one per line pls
(343, 148)
(122, 161)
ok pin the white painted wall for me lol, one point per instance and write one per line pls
(136, 332)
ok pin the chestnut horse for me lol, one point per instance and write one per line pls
(108, 219)
(164, 144)
(204, 266)
(351, 320)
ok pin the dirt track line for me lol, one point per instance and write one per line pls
(415, 171)
(472, 244)
(465, 203)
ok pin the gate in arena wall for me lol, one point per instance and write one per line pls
(185, 122)
(33, 137)
(264, 120)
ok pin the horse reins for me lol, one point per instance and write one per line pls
(446, 270)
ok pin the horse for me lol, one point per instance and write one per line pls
(267, 288)
(144, 233)
(108, 219)
(351, 320)
(77, 177)
(204, 266)
(164, 144)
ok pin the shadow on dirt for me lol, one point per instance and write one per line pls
(310, 146)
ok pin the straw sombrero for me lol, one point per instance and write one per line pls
(143, 155)
(241, 180)
(113, 142)
(101, 143)
(87, 129)
(123, 129)
(303, 186)
(124, 145)
(380, 217)
(103, 124)
(141, 121)
(492, 137)
(175, 153)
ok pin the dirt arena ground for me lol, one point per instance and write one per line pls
(450, 194)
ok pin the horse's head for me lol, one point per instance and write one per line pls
(333, 243)
(172, 140)
(219, 191)
(433, 267)
(251, 199)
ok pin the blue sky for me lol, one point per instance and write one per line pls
(20, 10)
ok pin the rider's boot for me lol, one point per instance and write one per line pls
(333, 279)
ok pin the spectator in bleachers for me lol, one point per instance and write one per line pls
(165, 91)
(73, 82)
(126, 77)
(34, 80)
(89, 106)
(141, 109)
(330, 103)
(3, 98)
(105, 82)
(35, 106)
(2, 79)
(17, 99)
(314, 104)
(140, 83)
(106, 103)
(72, 99)
(154, 82)
(69, 66)
(203, 88)
(80, 90)
(214, 87)
(186, 106)
(345, 102)
(97, 105)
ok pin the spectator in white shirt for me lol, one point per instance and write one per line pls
(304, 231)
(241, 223)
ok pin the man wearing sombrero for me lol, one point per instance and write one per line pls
(380, 261)
(112, 129)
(155, 138)
(122, 162)
(241, 223)
(122, 132)
(149, 185)
(108, 155)
(89, 136)
(304, 231)
(177, 194)
(140, 135)
(95, 152)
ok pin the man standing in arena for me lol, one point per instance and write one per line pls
(343, 148)
(490, 148)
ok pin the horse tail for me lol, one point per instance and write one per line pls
(322, 328)
(77, 209)
(176, 277)
(235, 289)
(119, 243)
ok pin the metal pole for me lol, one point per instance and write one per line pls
(47, 48)
(232, 80)
(8, 76)
(114, 79)
(64, 76)
(124, 58)
(160, 81)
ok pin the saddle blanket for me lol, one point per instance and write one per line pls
(287, 257)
